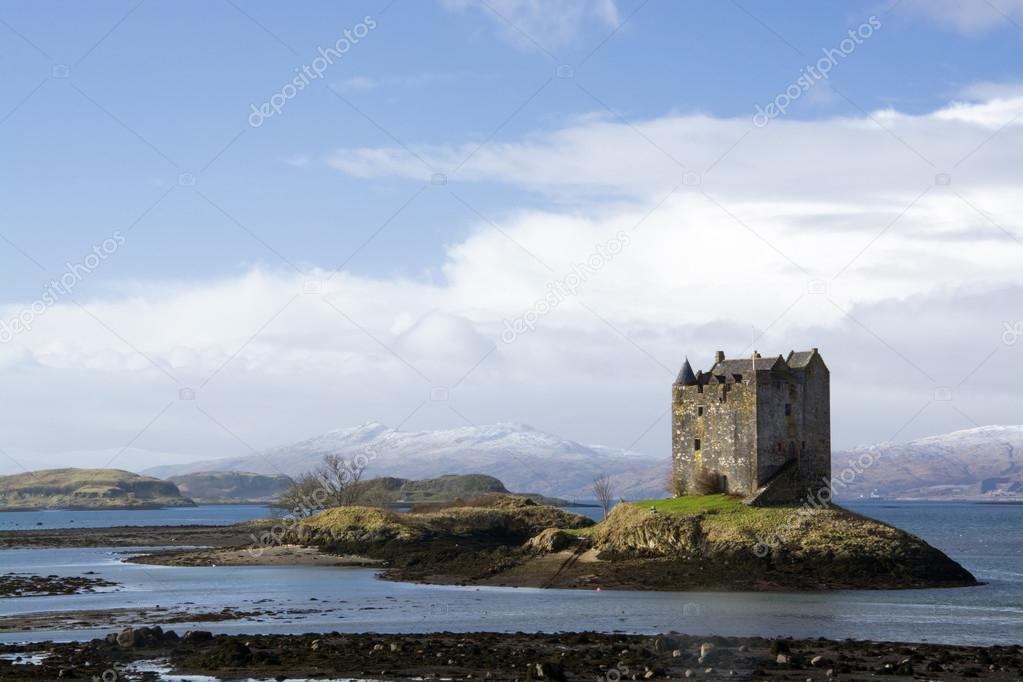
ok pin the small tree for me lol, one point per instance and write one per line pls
(603, 491)
(333, 484)
(670, 483)
(338, 477)
(706, 481)
(304, 497)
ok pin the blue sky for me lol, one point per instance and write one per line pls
(135, 117)
(181, 78)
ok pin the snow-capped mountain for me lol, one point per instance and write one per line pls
(524, 458)
(981, 463)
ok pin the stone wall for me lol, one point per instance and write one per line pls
(726, 431)
(815, 465)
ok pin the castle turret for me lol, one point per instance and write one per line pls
(685, 375)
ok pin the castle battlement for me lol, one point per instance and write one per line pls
(758, 427)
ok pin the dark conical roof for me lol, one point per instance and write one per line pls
(685, 375)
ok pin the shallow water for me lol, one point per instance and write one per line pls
(987, 539)
(202, 515)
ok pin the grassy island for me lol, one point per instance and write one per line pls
(87, 489)
(708, 543)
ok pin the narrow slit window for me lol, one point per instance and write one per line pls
(699, 411)
(788, 409)
(696, 444)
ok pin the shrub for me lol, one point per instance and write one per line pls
(706, 482)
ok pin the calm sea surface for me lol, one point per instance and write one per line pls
(987, 539)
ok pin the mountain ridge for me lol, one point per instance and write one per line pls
(523, 457)
(980, 463)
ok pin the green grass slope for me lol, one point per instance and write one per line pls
(230, 487)
(87, 489)
(717, 539)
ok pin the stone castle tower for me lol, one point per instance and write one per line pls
(757, 427)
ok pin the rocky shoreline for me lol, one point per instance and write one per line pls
(494, 656)
(132, 536)
(28, 585)
(514, 542)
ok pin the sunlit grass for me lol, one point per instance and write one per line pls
(694, 504)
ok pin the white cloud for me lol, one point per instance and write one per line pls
(418, 80)
(929, 277)
(542, 24)
(971, 17)
(884, 155)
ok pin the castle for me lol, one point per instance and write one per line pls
(757, 427)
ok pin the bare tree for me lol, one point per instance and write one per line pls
(670, 484)
(338, 477)
(333, 484)
(304, 497)
(604, 492)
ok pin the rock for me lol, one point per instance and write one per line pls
(126, 637)
(904, 667)
(676, 653)
(781, 659)
(548, 670)
(689, 673)
(819, 662)
(705, 649)
(395, 646)
(315, 646)
(229, 653)
(196, 636)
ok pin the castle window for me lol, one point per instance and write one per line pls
(696, 444)
(699, 411)
(788, 409)
(802, 445)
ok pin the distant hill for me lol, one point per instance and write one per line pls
(87, 489)
(522, 457)
(389, 490)
(984, 463)
(392, 490)
(230, 487)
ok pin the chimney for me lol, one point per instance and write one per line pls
(719, 356)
